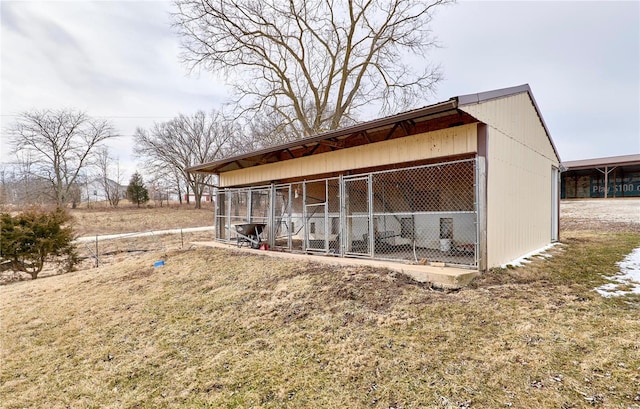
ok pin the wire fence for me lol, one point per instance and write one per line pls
(421, 214)
(104, 249)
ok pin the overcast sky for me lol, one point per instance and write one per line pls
(119, 60)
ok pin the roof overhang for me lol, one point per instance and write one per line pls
(397, 125)
(432, 117)
(625, 160)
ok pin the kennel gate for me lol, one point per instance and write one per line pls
(416, 214)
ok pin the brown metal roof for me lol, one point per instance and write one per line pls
(624, 160)
(330, 136)
(336, 139)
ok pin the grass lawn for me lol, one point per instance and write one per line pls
(222, 329)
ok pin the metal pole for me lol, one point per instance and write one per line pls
(305, 244)
(606, 181)
(271, 240)
(481, 214)
(606, 172)
(372, 234)
(342, 231)
(326, 215)
(289, 229)
(216, 209)
(228, 214)
(249, 205)
(97, 260)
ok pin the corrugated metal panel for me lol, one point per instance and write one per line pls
(515, 116)
(520, 158)
(445, 142)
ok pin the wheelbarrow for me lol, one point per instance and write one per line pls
(248, 233)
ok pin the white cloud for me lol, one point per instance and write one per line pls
(582, 60)
(121, 59)
(114, 59)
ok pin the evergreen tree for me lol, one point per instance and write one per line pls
(35, 236)
(136, 191)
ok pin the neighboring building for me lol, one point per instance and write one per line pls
(94, 190)
(472, 181)
(617, 176)
(206, 197)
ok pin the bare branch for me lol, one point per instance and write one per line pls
(59, 145)
(315, 63)
(186, 141)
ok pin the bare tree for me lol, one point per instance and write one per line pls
(314, 63)
(185, 141)
(30, 188)
(110, 178)
(5, 185)
(59, 145)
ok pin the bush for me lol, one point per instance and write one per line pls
(35, 236)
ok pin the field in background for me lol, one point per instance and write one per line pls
(127, 219)
(215, 328)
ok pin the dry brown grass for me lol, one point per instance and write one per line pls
(223, 329)
(104, 220)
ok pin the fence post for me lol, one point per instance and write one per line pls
(342, 231)
(271, 222)
(372, 233)
(481, 214)
(97, 260)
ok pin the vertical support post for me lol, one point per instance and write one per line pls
(481, 214)
(372, 233)
(227, 234)
(249, 204)
(342, 231)
(97, 256)
(305, 238)
(216, 213)
(289, 211)
(606, 181)
(326, 215)
(271, 240)
(606, 172)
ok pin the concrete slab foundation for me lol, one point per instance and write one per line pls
(438, 276)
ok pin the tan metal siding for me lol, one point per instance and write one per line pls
(519, 158)
(445, 142)
(515, 117)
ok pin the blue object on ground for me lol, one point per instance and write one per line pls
(158, 263)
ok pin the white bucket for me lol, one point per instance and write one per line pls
(445, 245)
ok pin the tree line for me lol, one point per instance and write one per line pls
(297, 68)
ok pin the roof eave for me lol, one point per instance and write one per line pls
(213, 167)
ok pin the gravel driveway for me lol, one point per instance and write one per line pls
(608, 214)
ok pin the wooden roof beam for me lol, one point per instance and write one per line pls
(290, 153)
(332, 144)
(391, 132)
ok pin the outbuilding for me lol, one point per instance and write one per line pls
(469, 182)
(611, 177)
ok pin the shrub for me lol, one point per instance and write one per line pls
(35, 236)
